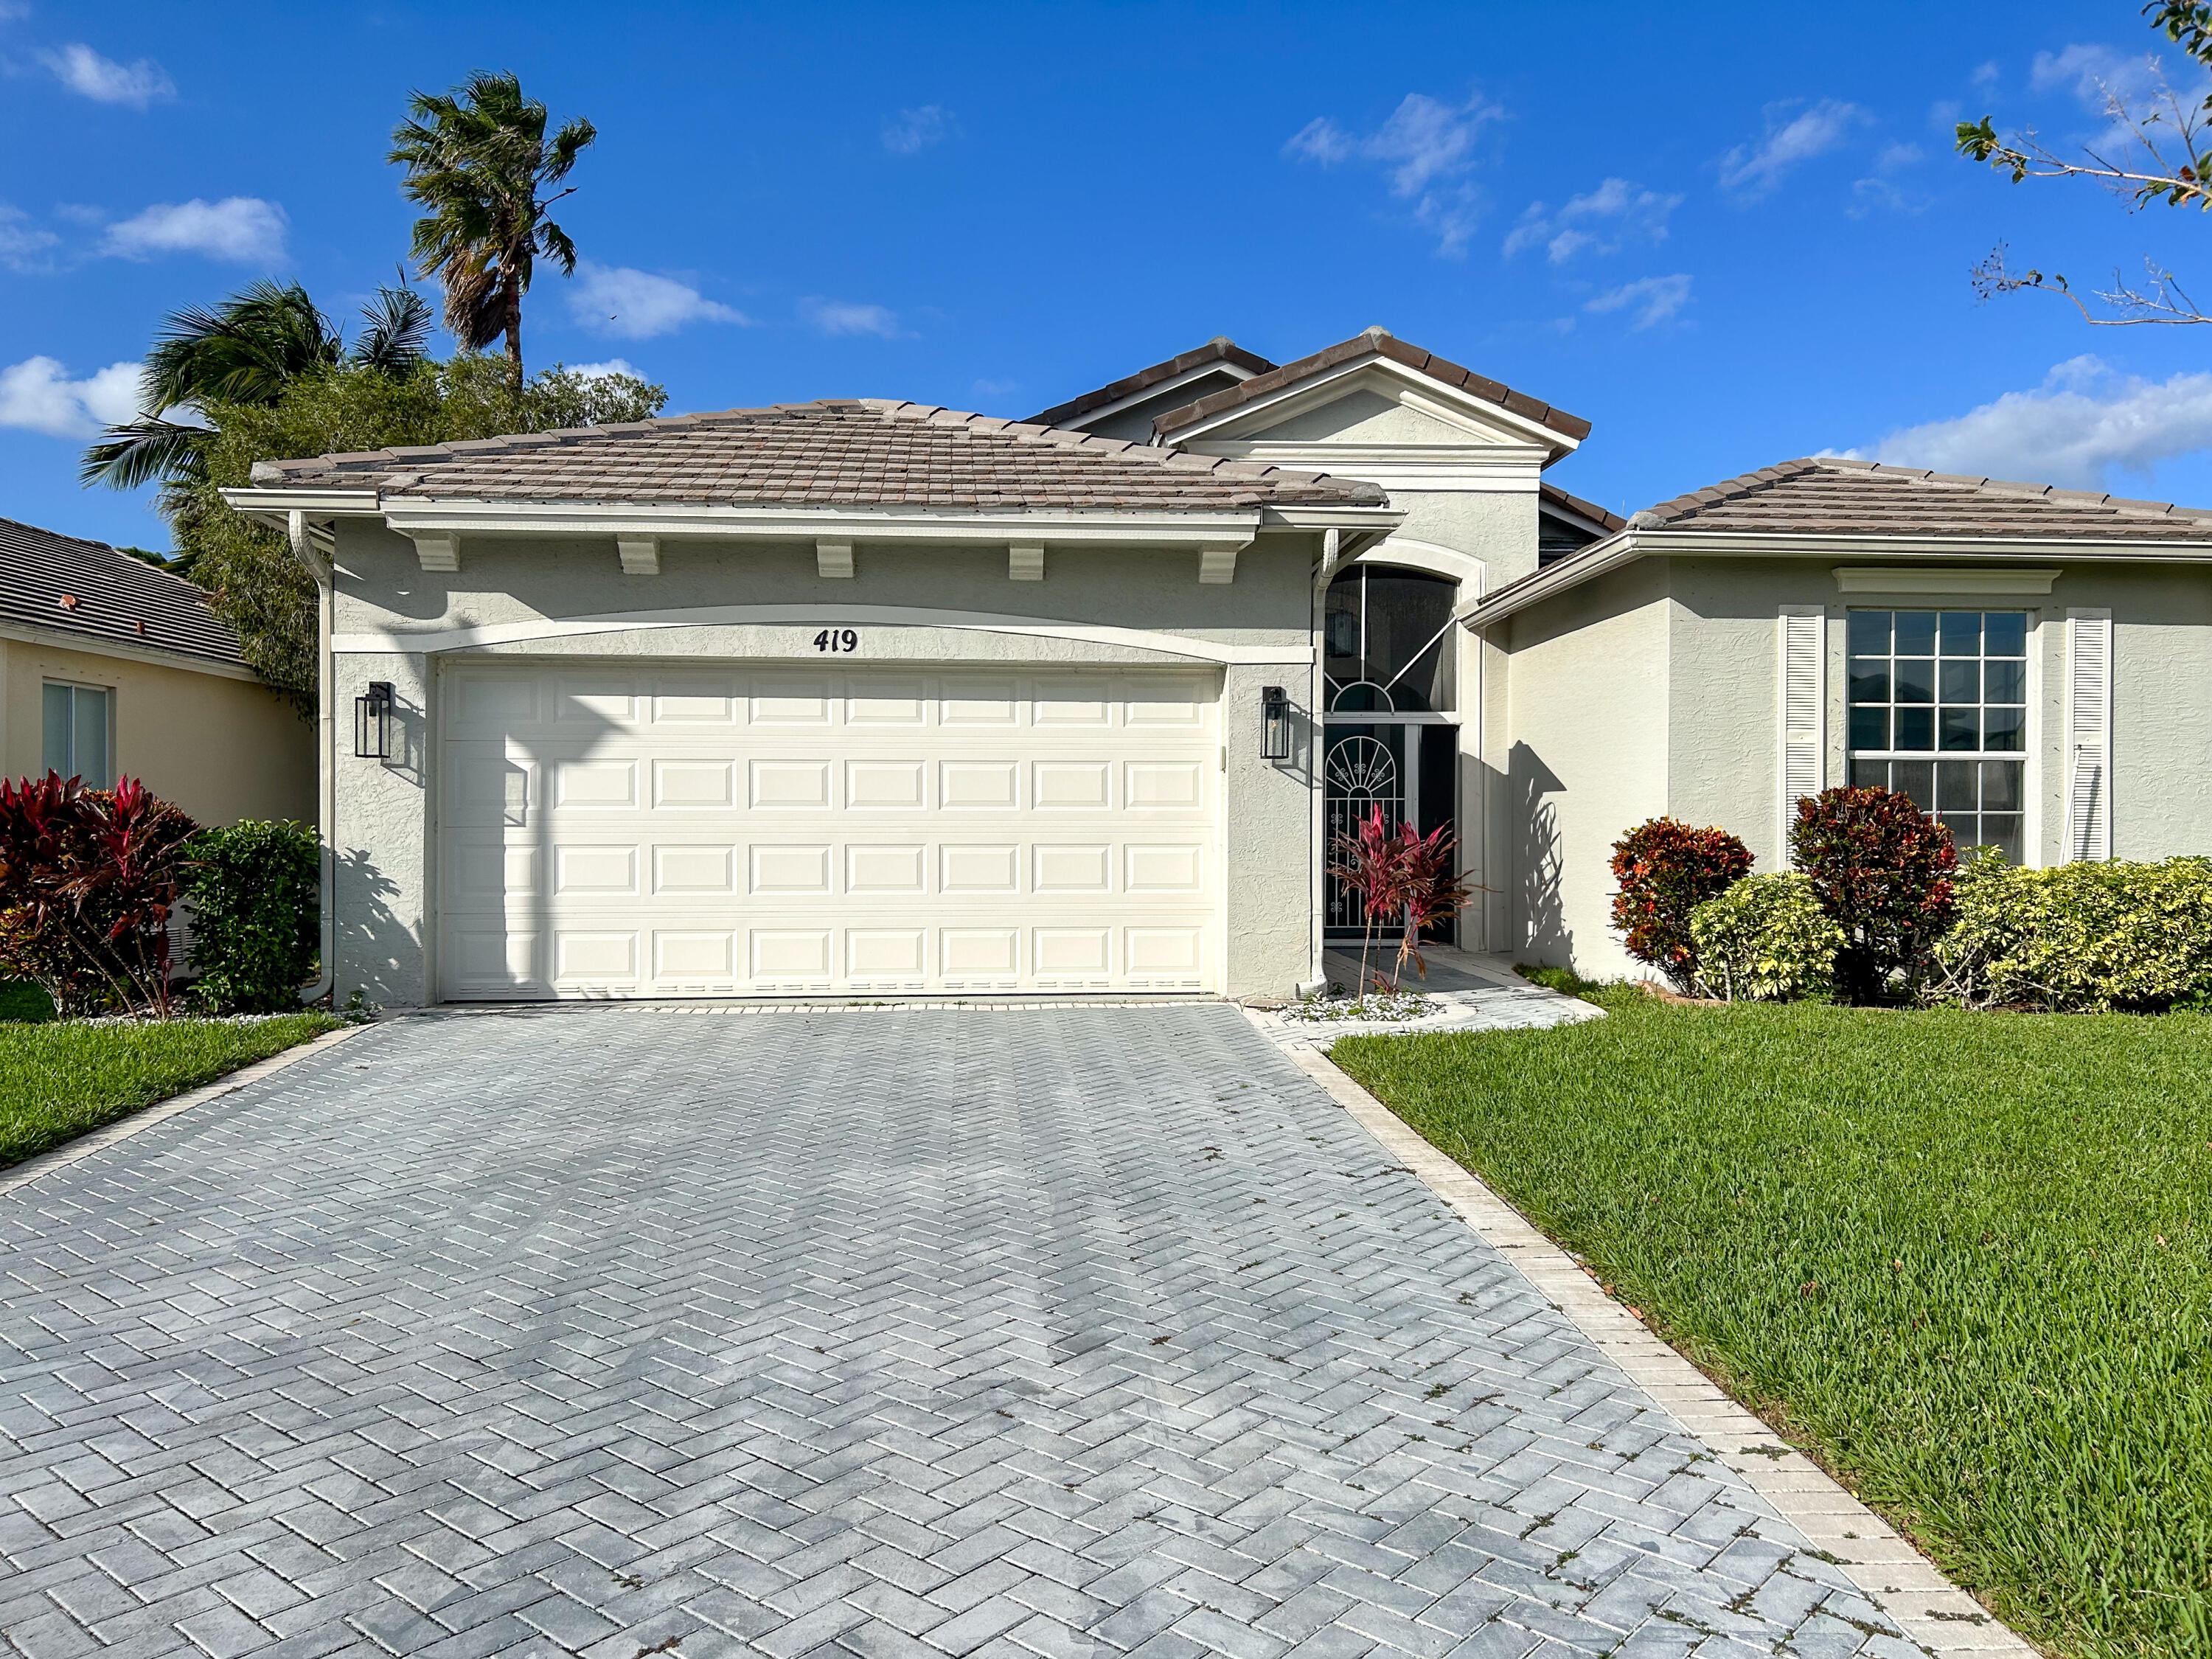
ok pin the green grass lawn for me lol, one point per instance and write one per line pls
(58, 1080)
(1966, 1260)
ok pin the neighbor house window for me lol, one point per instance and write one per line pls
(1939, 712)
(76, 732)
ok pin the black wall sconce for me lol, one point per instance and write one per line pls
(1274, 723)
(372, 721)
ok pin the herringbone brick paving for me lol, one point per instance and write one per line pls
(1028, 1334)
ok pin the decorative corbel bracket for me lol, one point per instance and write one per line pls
(1217, 564)
(437, 550)
(1025, 561)
(639, 555)
(833, 560)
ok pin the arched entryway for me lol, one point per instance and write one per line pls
(1391, 670)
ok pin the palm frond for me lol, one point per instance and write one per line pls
(398, 329)
(145, 450)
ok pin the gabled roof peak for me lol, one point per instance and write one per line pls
(1375, 342)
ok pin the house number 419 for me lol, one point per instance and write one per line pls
(837, 639)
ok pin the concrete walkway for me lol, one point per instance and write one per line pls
(1031, 1333)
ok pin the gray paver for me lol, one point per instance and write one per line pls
(1051, 1332)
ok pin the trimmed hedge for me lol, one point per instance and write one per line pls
(2115, 936)
(253, 892)
(1665, 869)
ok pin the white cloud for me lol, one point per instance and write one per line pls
(1653, 299)
(843, 317)
(1427, 146)
(2088, 71)
(1987, 75)
(103, 80)
(1754, 170)
(600, 371)
(242, 228)
(38, 394)
(1598, 222)
(13, 11)
(1881, 190)
(912, 130)
(996, 388)
(22, 245)
(2083, 421)
(636, 304)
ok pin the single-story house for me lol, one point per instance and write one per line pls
(111, 667)
(862, 697)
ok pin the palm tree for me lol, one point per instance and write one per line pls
(478, 159)
(245, 350)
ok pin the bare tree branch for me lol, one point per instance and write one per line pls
(2163, 301)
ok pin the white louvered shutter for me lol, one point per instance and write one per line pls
(1804, 707)
(2089, 734)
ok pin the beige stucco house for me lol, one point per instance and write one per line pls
(865, 697)
(109, 668)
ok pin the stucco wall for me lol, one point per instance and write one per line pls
(387, 810)
(221, 749)
(1585, 686)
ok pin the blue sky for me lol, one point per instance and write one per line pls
(1726, 235)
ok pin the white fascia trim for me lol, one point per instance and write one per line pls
(1107, 412)
(1627, 545)
(270, 506)
(91, 646)
(1489, 469)
(425, 642)
(852, 524)
(1449, 401)
(408, 515)
(1943, 578)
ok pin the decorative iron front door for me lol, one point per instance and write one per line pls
(1365, 771)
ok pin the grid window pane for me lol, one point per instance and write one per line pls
(1948, 683)
(1962, 633)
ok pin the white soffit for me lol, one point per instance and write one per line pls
(1937, 579)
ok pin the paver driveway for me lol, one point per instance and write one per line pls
(1035, 1332)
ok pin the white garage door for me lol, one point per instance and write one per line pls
(608, 832)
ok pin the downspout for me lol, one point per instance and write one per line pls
(1325, 572)
(326, 758)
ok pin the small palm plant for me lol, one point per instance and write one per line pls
(1402, 874)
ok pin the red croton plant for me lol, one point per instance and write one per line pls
(88, 878)
(1665, 869)
(1401, 876)
(1882, 869)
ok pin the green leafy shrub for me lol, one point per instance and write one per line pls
(2112, 936)
(253, 892)
(1665, 869)
(1765, 940)
(1882, 869)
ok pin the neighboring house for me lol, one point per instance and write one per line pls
(861, 696)
(111, 667)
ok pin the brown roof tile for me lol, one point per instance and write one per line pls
(1377, 342)
(1590, 510)
(1219, 349)
(1830, 495)
(865, 451)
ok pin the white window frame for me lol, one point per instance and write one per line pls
(2034, 731)
(107, 693)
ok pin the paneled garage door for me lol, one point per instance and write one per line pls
(609, 833)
